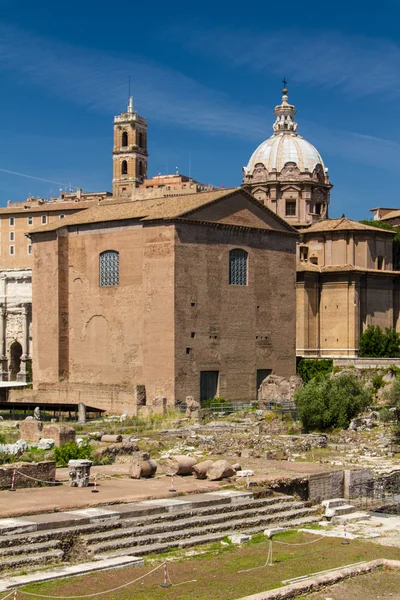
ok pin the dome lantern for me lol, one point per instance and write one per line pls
(287, 173)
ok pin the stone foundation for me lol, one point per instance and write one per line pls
(34, 431)
(43, 471)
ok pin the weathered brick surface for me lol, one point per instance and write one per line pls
(31, 431)
(61, 434)
(358, 483)
(323, 486)
(173, 313)
(42, 471)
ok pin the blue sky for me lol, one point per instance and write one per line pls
(207, 77)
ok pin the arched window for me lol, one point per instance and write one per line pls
(109, 268)
(124, 138)
(140, 140)
(238, 267)
(141, 169)
(124, 168)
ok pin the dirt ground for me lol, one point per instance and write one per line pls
(383, 584)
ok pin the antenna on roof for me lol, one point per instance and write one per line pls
(190, 164)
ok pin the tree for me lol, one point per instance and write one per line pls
(326, 402)
(396, 238)
(378, 344)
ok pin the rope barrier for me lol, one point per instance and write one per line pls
(120, 587)
(167, 583)
(323, 537)
(268, 562)
(36, 479)
(8, 595)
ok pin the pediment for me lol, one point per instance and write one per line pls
(242, 210)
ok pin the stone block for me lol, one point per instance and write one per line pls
(323, 486)
(239, 538)
(159, 404)
(358, 483)
(31, 431)
(61, 434)
(36, 473)
(278, 389)
(79, 472)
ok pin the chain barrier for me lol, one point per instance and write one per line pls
(41, 480)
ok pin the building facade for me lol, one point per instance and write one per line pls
(16, 220)
(345, 282)
(180, 296)
(287, 174)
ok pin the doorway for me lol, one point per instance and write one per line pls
(208, 385)
(15, 360)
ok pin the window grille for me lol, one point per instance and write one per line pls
(290, 208)
(238, 267)
(109, 268)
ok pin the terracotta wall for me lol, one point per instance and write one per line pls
(237, 329)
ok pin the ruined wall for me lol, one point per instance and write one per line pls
(44, 471)
(233, 329)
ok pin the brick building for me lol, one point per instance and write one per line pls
(345, 282)
(16, 272)
(189, 295)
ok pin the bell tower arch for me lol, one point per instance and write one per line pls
(130, 152)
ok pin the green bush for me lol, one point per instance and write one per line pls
(377, 382)
(71, 451)
(309, 368)
(325, 403)
(207, 403)
(374, 343)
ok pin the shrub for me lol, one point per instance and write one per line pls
(324, 403)
(391, 394)
(308, 368)
(375, 343)
(71, 451)
(377, 382)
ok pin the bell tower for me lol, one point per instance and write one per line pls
(130, 152)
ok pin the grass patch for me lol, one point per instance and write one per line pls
(217, 570)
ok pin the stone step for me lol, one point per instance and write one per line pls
(31, 560)
(333, 502)
(344, 509)
(180, 512)
(224, 526)
(194, 521)
(196, 540)
(32, 548)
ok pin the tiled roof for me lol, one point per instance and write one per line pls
(46, 207)
(153, 209)
(342, 224)
(309, 267)
(390, 215)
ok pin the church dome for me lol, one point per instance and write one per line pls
(285, 145)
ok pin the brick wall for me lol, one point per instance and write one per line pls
(44, 471)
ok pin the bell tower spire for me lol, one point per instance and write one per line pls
(130, 151)
(285, 112)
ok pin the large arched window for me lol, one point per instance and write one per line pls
(124, 138)
(141, 140)
(238, 267)
(109, 268)
(124, 168)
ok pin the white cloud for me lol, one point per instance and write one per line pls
(99, 81)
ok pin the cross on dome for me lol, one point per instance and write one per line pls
(285, 112)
